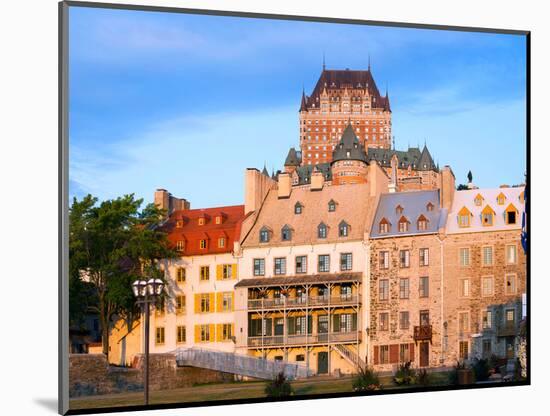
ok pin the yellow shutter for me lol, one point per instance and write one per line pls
(219, 302)
(232, 301)
(232, 330)
(219, 332)
(197, 303)
(212, 332)
(219, 272)
(212, 300)
(197, 334)
(233, 271)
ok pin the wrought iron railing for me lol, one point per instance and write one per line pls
(298, 302)
(303, 339)
(422, 333)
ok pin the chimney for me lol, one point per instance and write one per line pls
(447, 187)
(317, 180)
(285, 185)
(256, 187)
(392, 185)
(165, 200)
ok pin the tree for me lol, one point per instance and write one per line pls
(462, 187)
(111, 244)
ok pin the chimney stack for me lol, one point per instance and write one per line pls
(447, 187)
(164, 200)
(317, 180)
(285, 185)
(256, 187)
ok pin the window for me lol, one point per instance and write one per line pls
(259, 267)
(510, 217)
(205, 333)
(301, 264)
(264, 235)
(404, 258)
(345, 261)
(279, 266)
(511, 254)
(205, 302)
(510, 316)
(383, 289)
(345, 292)
(300, 357)
(423, 287)
(205, 273)
(226, 332)
(298, 208)
(218, 219)
(424, 316)
(487, 286)
(221, 242)
(464, 288)
(404, 288)
(227, 301)
(343, 229)
(464, 254)
(180, 334)
(384, 260)
(403, 225)
(322, 231)
(384, 323)
(286, 233)
(323, 263)
(486, 319)
(501, 198)
(424, 254)
(487, 216)
(487, 254)
(180, 304)
(201, 221)
(384, 226)
(331, 206)
(463, 350)
(510, 288)
(202, 244)
(399, 210)
(422, 223)
(159, 335)
(429, 207)
(486, 348)
(384, 354)
(464, 217)
(464, 322)
(180, 275)
(180, 245)
(478, 200)
(404, 320)
(227, 271)
(179, 223)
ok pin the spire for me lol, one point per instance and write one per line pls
(303, 104)
(292, 158)
(369, 62)
(324, 61)
(265, 172)
(393, 143)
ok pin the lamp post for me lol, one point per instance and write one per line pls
(147, 292)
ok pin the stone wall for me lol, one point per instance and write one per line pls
(90, 374)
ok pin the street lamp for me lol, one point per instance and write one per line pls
(147, 292)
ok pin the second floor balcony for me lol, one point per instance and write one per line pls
(303, 339)
(303, 301)
(422, 333)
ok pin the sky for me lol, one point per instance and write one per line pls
(188, 102)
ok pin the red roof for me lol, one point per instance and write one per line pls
(192, 231)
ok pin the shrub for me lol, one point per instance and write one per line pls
(481, 369)
(453, 375)
(279, 387)
(366, 380)
(405, 375)
(423, 377)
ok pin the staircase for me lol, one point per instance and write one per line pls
(243, 365)
(350, 356)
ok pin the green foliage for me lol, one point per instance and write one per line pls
(111, 244)
(366, 380)
(405, 375)
(461, 187)
(423, 378)
(481, 369)
(279, 387)
(453, 375)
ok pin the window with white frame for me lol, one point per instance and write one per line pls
(464, 254)
(487, 256)
(384, 260)
(301, 264)
(404, 288)
(464, 288)
(259, 267)
(511, 254)
(383, 289)
(345, 261)
(279, 266)
(424, 256)
(487, 286)
(404, 258)
(510, 284)
(323, 263)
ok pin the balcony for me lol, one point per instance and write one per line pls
(302, 339)
(422, 333)
(302, 302)
(508, 329)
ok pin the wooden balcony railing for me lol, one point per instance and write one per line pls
(302, 339)
(508, 329)
(300, 302)
(422, 333)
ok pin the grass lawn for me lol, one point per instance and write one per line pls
(228, 391)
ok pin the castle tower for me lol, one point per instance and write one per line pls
(349, 159)
(292, 161)
(338, 97)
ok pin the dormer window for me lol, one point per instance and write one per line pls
(298, 208)
(478, 200)
(286, 233)
(510, 215)
(399, 210)
(429, 207)
(348, 153)
(221, 242)
(201, 221)
(218, 219)
(487, 216)
(384, 226)
(180, 245)
(464, 216)
(331, 206)
(264, 235)
(203, 244)
(322, 231)
(403, 225)
(179, 223)
(422, 223)
(501, 198)
(343, 229)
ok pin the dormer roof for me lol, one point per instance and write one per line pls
(349, 147)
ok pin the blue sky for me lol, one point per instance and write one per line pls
(188, 102)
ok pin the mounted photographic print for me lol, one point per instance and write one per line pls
(260, 208)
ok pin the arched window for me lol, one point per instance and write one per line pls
(286, 233)
(331, 206)
(487, 216)
(343, 229)
(464, 217)
(403, 225)
(384, 226)
(322, 231)
(264, 235)
(298, 208)
(429, 207)
(399, 210)
(422, 223)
